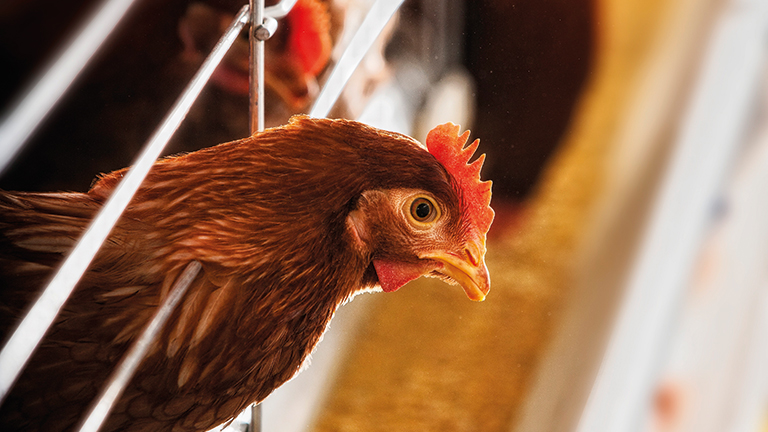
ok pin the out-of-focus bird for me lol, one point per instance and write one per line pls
(294, 57)
(287, 224)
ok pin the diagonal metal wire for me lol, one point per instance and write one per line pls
(19, 125)
(370, 29)
(130, 362)
(21, 122)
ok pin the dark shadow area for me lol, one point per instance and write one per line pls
(530, 60)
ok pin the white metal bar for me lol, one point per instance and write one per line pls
(130, 362)
(31, 330)
(707, 143)
(370, 29)
(37, 102)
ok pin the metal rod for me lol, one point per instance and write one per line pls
(256, 422)
(130, 362)
(38, 101)
(32, 328)
(256, 109)
(370, 29)
(280, 10)
(256, 89)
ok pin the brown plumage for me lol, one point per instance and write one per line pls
(287, 224)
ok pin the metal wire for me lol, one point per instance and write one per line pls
(370, 29)
(19, 125)
(39, 100)
(256, 67)
(130, 362)
(280, 10)
(31, 330)
(256, 118)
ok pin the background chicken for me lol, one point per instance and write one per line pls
(287, 224)
(299, 51)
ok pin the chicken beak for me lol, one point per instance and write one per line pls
(468, 271)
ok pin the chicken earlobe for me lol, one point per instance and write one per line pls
(358, 231)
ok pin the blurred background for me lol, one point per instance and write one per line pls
(628, 145)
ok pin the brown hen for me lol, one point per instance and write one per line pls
(287, 224)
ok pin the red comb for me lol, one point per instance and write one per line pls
(310, 37)
(447, 146)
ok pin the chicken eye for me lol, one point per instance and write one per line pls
(423, 210)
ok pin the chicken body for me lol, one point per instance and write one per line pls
(287, 225)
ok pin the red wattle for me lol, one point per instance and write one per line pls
(393, 275)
